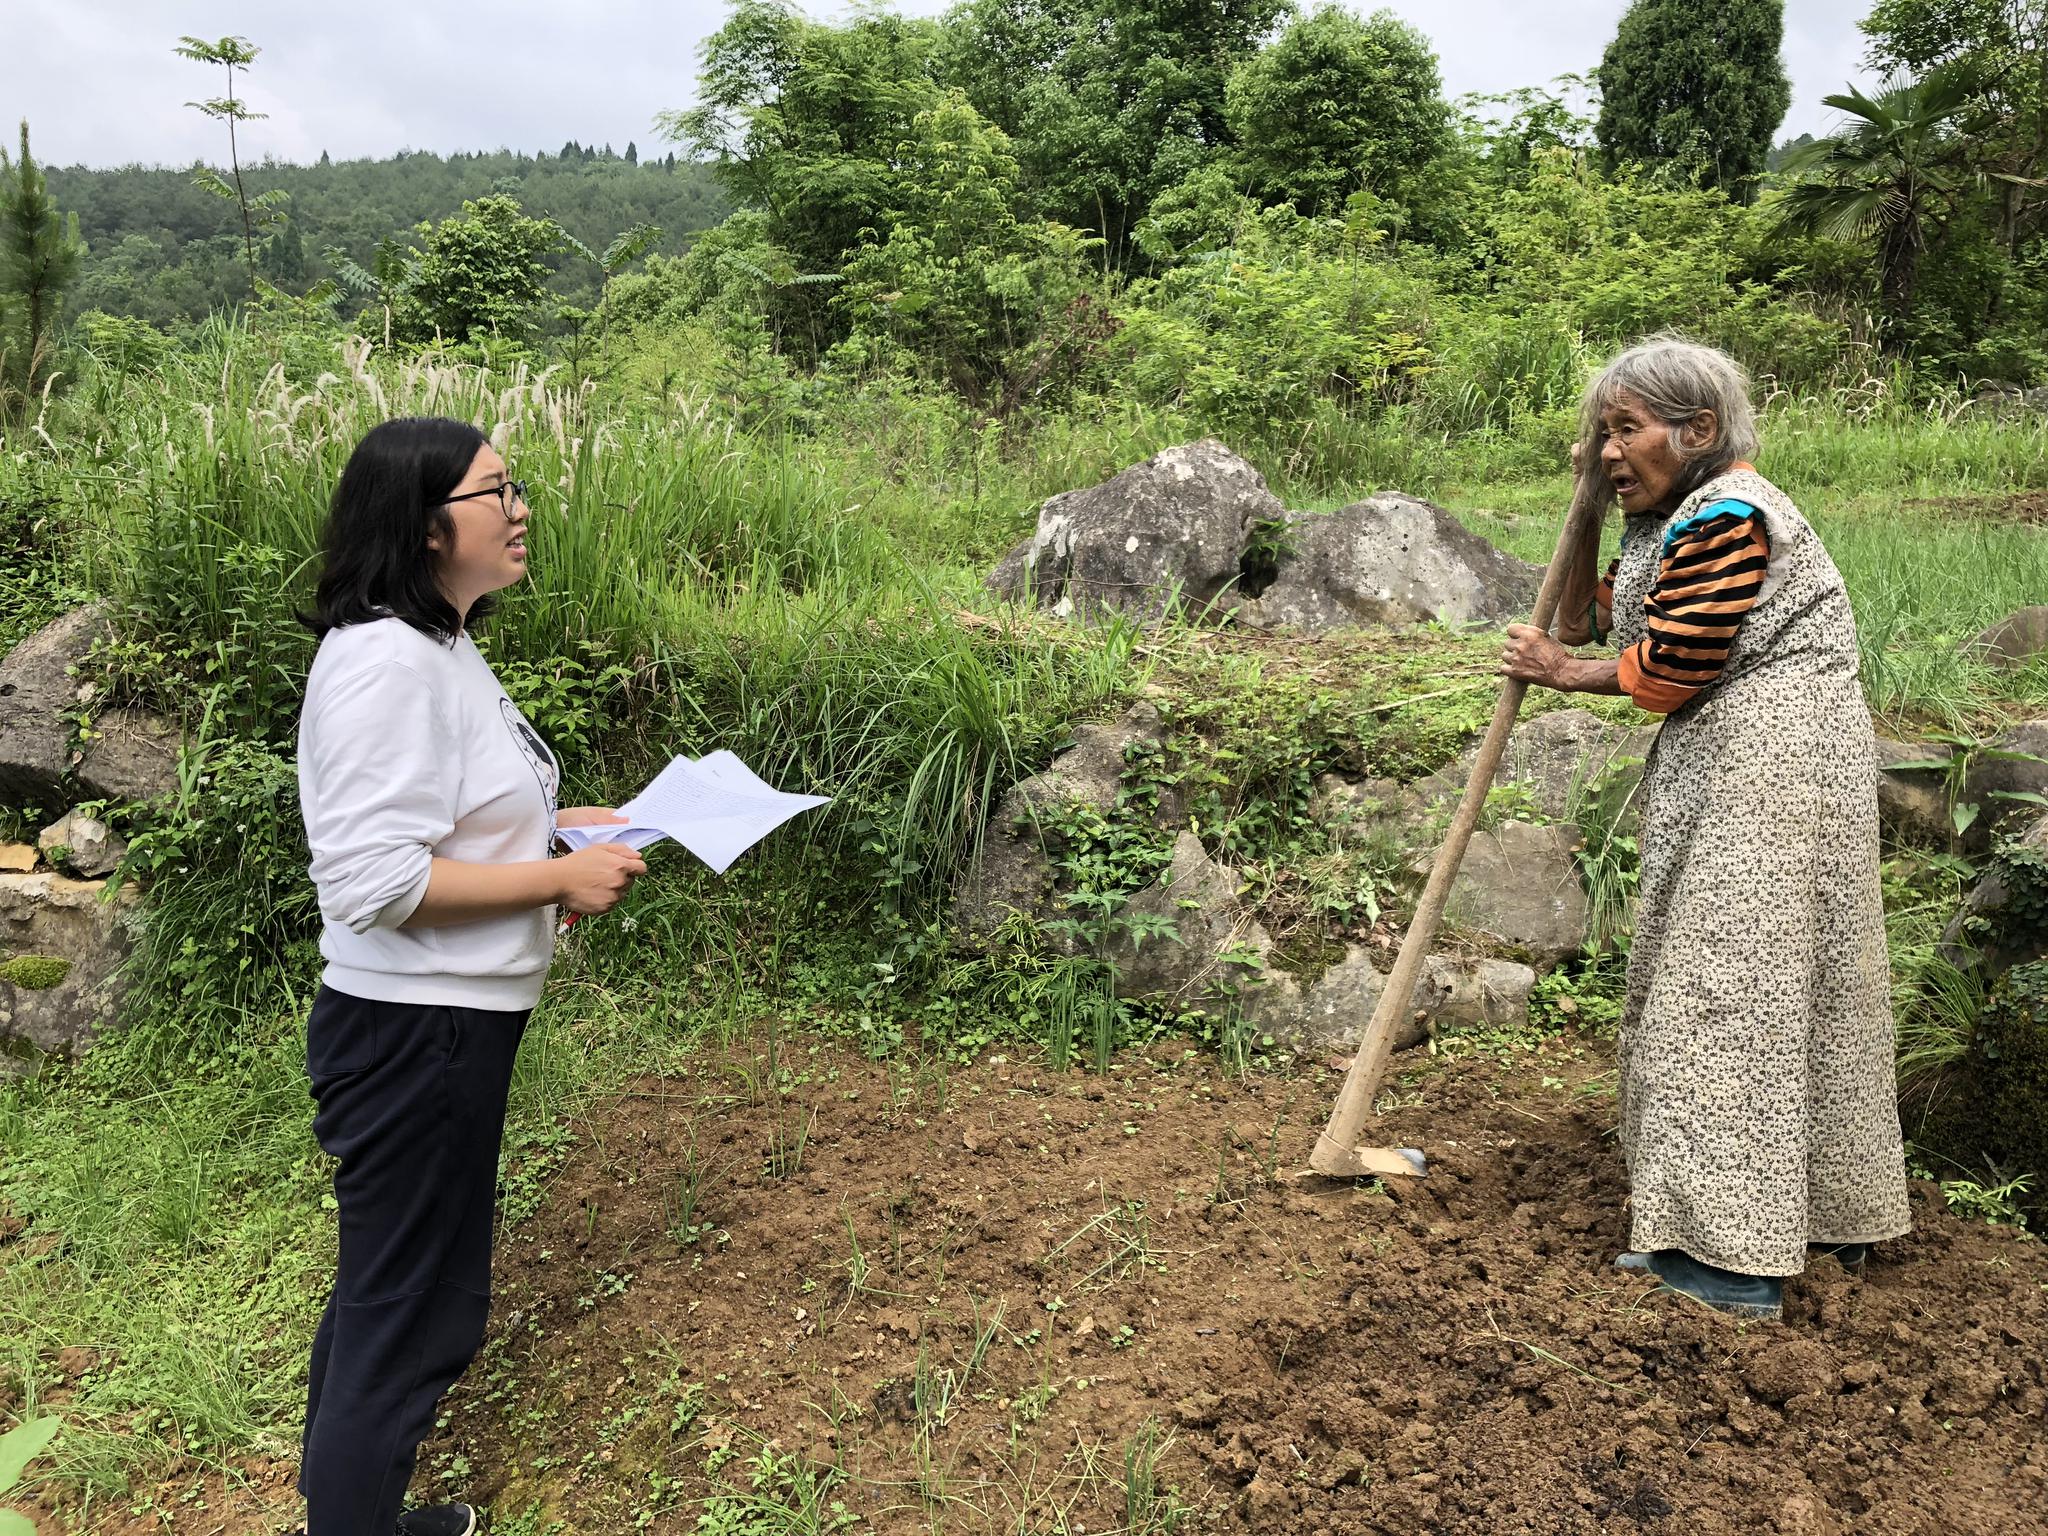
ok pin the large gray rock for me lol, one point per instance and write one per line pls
(2016, 639)
(1014, 873)
(1520, 886)
(1356, 811)
(1329, 1015)
(1389, 559)
(1218, 957)
(1485, 993)
(2014, 762)
(2011, 403)
(1215, 950)
(1565, 755)
(36, 689)
(130, 754)
(1558, 759)
(45, 917)
(1975, 937)
(1913, 792)
(1166, 533)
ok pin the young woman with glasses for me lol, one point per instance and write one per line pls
(430, 811)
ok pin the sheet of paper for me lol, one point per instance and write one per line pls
(717, 808)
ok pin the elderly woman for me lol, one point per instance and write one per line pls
(1758, 1113)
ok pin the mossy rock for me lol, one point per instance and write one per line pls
(35, 973)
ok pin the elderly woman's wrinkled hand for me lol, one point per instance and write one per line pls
(1532, 656)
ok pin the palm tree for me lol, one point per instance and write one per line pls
(1887, 172)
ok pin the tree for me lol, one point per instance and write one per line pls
(284, 255)
(389, 274)
(623, 251)
(632, 153)
(1892, 170)
(40, 256)
(960, 282)
(1916, 35)
(804, 121)
(1698, 88)
(479, 274)
(1109, 102)
(2005, 45)
(232, 53)
(1337, 105)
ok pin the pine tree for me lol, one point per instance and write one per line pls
(284, 255)
(632, 153)
(1698, 88)
(40, 254)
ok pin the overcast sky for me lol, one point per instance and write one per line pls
(100, 86)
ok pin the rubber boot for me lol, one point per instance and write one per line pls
(1849, 1255)
(1752, 1296)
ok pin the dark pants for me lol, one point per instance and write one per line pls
(412, 1102)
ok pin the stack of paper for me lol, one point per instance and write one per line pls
(717, 808)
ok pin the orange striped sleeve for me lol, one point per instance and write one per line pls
(1712, 574)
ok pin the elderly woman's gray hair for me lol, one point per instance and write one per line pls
(1677, 379)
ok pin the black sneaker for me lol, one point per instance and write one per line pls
(438, 1520)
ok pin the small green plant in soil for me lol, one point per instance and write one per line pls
(18, 1447)
(787, 1138)
(683, 1199)
(1150, 1509)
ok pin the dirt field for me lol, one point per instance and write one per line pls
(955, 1301)
(1451, 1355)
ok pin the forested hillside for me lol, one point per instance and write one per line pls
(160, 249)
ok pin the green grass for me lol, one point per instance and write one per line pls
(183, 1245)
(1924, 581)
(187, 1240)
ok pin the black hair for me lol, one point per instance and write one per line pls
(389, 500)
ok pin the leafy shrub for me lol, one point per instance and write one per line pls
(1299, 321)
(231, 916)
(1999, 1119)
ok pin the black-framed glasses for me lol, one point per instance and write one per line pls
(510, 492)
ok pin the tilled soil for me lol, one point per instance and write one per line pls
(962, 1300)
(1454, 1354)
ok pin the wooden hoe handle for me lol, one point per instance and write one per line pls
(1337, 1151)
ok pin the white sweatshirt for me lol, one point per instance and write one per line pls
(409, 751)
